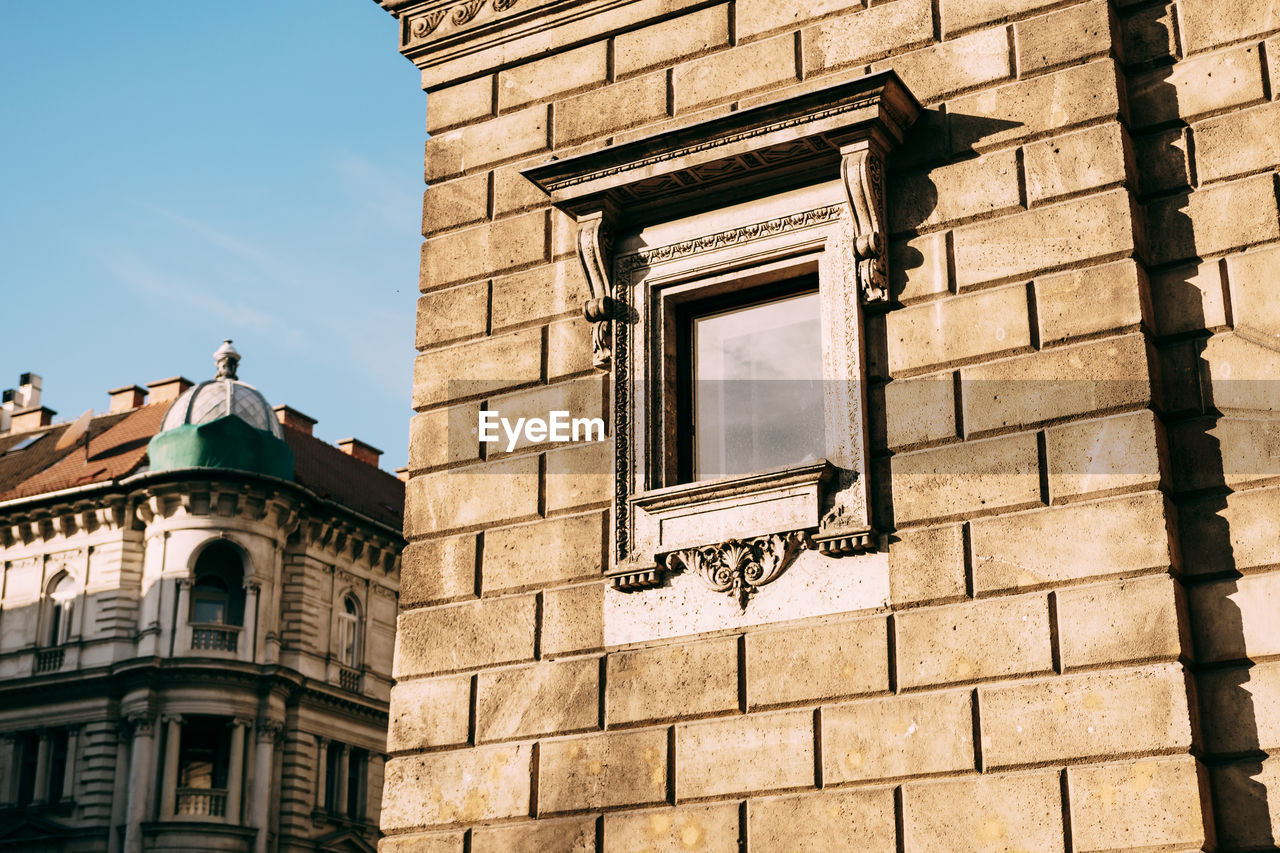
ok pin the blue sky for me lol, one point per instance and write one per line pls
(172, 174)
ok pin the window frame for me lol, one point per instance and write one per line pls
(351, 622)
(59, 610)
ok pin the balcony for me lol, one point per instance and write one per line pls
(201, 802)
(49, 660)
(217, 638)
(349, 679)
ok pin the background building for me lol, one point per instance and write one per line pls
(1051, 625)
(196, 625)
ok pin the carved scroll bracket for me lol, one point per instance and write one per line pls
(739, 567)
(862, 171)
(595, 253)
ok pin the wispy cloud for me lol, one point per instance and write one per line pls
(146, 280)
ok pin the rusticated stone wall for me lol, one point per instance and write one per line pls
(1073, 449)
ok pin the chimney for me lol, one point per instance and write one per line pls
(366, 453)
(164, 390)
(126, 398)
(6, 408)
(402, 474)
(292, 418)
(29, 385)
(31, 419)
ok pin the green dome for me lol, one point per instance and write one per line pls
(223, 423)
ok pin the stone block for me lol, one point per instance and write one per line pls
(1149, 34)
(962, 479)
(572, 619)
(555, 75)
(919, 411)
(1196, 86)
(760, 752)
(444, 437)
(464, 786)
(1234, 619)
(1122, 535)
(1155, 803)
(819, 823)
(973, 640)
(579, 476)
(1255, 304)
(581, 398)
(898, 736)
(513, 192)
(1124, 621)
(1035, 107)
(918, 267)
(545, 698)
(927, 566)
(460, 104)
(454, 204)
(958, 329)
(757, 17)
(1076, 162)
(1069, 36)
(1085, 716)
(445, 316)
(1237, 143)
(1247, 805)
(481, 252)
(989, 814)
(938, 70)
(861, 37)
(544, 552)
(568, 348)
(1189, 299)
(670, 41)
(1206, 24)
(571, 835)
(1242, 707)
(692, 829)
(1165, 160)
(449, 500)
(602, 771)
(668, 682)
(1071, 232)
(1189, 226)
(616, 107)
(434, 842)
(957, 17)
(477, 147)
(479, 367)
(1063, 382)
(465, 636)
(1090, 300)
(1241, 529)
(1119, 452)
(540, 293)
(430, 712)
(436, 570)
(983, 186)
(817, 663)
(730, 74)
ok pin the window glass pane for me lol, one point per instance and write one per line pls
(757, 391)
(209, 610)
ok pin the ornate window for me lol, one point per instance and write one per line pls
(60, 598)
(730, 262)
(217, 593)
(349, 632)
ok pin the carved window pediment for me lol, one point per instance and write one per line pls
(747, 200)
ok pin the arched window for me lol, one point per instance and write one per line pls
(59, 598)
(217, 593)
(349, 632)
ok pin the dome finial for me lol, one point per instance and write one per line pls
(226, 358)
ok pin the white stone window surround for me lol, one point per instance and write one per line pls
(663, 219)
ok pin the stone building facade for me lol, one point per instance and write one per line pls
(196, 626)
(1022, 598)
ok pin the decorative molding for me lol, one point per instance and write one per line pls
(269, 730)
(862, 172)
(421, 27)
(141, 724)
(739, 567)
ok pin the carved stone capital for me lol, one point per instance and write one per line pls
(142, 724)
(269, 730)
(740, 567)
(862, 171)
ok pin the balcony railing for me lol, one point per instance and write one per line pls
(218, 638)
(48, 660)
(349, 679)
(202, 802)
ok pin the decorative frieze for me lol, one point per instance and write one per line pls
(740, 567)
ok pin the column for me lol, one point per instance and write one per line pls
(263, 783)
(235, 770)
(7, 767)
(41, 794)
(69, 774)
(340, 767)
(322, 769)
(169, 781)
(248, 650)
(140, 773)
(120, 791)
